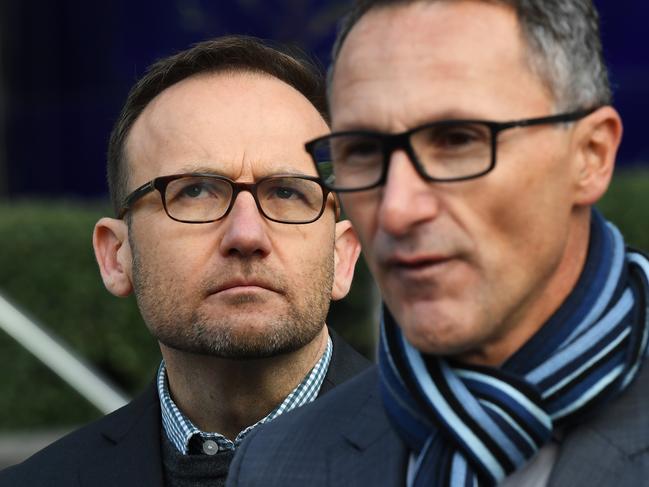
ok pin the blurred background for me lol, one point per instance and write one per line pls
(65, 69)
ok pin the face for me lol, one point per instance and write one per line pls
(467, 268)
(242, 286)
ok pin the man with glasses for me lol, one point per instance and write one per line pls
(470, 141)
(231, 245)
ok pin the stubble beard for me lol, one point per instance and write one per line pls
(199, 332)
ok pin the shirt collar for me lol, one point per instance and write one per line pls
(180, 430)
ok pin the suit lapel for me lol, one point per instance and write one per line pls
(370, 453)
(607, 449)
(345, 364)
(586, 459)
(131, 456)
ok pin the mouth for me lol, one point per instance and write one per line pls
(241, 285)
(419, 266)
(417, 262)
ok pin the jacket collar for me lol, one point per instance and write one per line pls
(371, 453)
(132, 454)
(345, 363)
(604, 450)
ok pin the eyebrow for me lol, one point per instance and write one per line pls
(443, 115)
(276, 171)
(194, 168)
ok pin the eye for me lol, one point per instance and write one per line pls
(289, 192)
(457, 137)
(361, 149)
(355, 149)
(286, 193)
(193, 191)
(197, 190)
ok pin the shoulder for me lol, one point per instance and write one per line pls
(619, 432)
(295, 444)
(624, 422)
(58, 463)
(326, 415)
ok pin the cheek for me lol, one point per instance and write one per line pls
(171, 257)
(302, 249)
(522, 228)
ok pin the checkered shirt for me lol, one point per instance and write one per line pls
(180, 430)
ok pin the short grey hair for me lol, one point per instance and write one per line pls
(563, 42)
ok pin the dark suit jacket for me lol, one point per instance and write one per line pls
(345, 440)
(123, 448)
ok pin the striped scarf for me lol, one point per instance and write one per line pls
(473, 426)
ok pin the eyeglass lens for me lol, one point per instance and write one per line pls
(443, 151)
(204, 198)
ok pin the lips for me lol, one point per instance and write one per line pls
(239, 282)
(421, 270)
(417, 262)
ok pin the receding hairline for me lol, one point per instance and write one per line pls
(526, 54)
(230, 72)
(562, 39)
(232, 52)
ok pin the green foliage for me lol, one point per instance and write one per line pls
(355, 316)
(627, 205)
(47, 268)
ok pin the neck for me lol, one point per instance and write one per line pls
(226, 395)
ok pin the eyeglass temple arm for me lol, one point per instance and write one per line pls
(564, 117)
(134, 196)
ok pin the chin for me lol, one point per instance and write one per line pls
(432, 342)
(238, 340)
(228, 347)
(431, 331)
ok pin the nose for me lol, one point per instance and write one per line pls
(245, 230)
(407, 199)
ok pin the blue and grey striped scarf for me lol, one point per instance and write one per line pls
(473, 426)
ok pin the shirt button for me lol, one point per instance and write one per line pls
(210, 447)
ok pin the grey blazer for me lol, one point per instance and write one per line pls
(345, 440)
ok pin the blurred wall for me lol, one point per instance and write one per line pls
(67, 65)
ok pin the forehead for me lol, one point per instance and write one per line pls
(411, 63)
(242, 125)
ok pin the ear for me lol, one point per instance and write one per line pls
(113, 254)
(597, 138)
(347, 248)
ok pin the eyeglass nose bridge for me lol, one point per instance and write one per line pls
(238, 188)
(400, 141)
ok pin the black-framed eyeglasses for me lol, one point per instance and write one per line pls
(442, 151)
(205, 198)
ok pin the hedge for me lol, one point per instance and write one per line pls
(47, 268)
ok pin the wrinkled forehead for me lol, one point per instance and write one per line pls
(427, 25)
(446, 55)
(234, 124)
